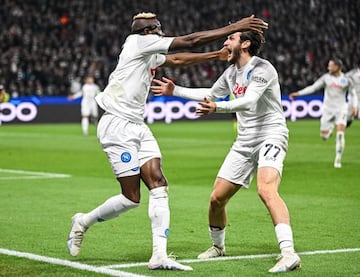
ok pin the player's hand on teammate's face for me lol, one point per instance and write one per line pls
(163, 88)
(224, 53)
(206, 107)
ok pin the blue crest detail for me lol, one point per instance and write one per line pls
(248, 74)
(166, 232)
(126, 157)
(135, 168)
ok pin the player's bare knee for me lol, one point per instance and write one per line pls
(267, 193)
(216, 202)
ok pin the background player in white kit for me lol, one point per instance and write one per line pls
(89, 107)
(354, 75)
(336, 85)
(261, 144)
(129, 144)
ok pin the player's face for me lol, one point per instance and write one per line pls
(332, 67)
(155, 28)
(233, 46)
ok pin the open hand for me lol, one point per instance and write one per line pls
(163, 88)
(206, 107)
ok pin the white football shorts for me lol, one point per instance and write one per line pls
(242, 162)
(331, 117)
(89, 108)
(127, 145)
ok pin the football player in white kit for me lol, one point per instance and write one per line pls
(336, 86)
(89, 107)
(261, 144)
(354, 75)
(131, 148)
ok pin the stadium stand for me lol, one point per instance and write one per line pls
(47, 45)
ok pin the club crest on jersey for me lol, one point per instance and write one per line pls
(126, 157)
(239, 90)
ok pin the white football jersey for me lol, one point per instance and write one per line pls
(129, 84)
(354, 75)
(255, 84)
(335, 90)
(89, 91)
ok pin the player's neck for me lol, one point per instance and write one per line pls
(244, 59)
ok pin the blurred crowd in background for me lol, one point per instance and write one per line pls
(47, 47)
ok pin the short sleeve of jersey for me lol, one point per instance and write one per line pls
(152, 44)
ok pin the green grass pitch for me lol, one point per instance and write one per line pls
(36, 207)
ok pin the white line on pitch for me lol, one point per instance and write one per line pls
(67, 263)
(30, 174)
(227, 258)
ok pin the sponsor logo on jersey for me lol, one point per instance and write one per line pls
(335, 85)
(259, 79)
(126, 157)
(152, 71)
(239, 90)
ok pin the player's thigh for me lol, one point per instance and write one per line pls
(341, 117)
(149, 148)
(85, 109)
(238, 167)
(120, 141)
(327, 121)
(223, 190)
(272, 153)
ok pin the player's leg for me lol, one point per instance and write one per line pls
(340, 144)
(271, 157)
(159, 212)
(111, 208)
(222, 192)
(326, 125)
(85, 115)
(123, 158)
(235, 172)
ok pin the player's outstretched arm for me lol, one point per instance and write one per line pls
(165, 87)
(250, 23)
(293, 95)
(183, 59)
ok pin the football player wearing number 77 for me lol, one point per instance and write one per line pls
(261, 143)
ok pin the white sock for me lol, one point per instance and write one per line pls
(111, 208)
(85, 125)
(340, 144)
(284, 237)
(159, 214)
(217, 236)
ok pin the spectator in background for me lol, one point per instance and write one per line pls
(336, 86)
(89, 107)
(44, 44)
(4, 96)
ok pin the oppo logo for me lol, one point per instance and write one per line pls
(174, 110)
(25, 112)
(170, 111)
(300, 109)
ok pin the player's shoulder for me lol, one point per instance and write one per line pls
(263, 66)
